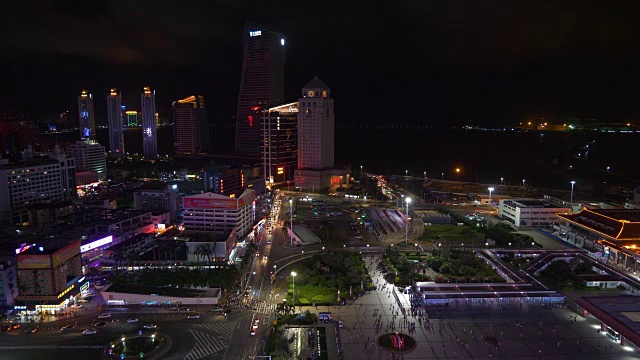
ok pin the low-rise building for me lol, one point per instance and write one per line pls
(85, 178)
(217, 214)
(301, 236)
(121, 294)
(49, 277)
(530, 212)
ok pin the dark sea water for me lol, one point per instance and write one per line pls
(546, 160)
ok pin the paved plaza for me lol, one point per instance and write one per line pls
(481, 332)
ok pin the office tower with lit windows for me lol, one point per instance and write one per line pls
(280, 142)
(89, 155)
(261, 85)
(316, 139)
(149, 138)
(85, 114)
(114, 112)
(190, 127)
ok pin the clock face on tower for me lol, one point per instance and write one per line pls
(311, 93)
(324, 93)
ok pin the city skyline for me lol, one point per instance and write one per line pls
(465, 63)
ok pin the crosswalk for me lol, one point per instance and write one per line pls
(207, 344)
(225, 329)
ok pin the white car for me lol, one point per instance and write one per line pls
(89, 332)
(132, 320)
(104, 316)
(150, 326)
(253, 332)
(195, 316)
(340, 323)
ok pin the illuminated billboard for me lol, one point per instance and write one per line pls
(196, 203)
(66, 253)
(95, 244)
(34, 262)
(24, 247)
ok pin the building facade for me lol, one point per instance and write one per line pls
(158, 200)
(149, 123)
(89, 156)
(8, 282)
(218, 215)
(280, 142)
(224, 180)
(261, 85)
(49, 277)
(132, 118)
(316, 168)
(86, 116)
(530, 212)
(36, 181)
(114, 112)
(190, 126)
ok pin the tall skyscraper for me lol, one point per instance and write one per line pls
(85, 114)
(280, 142)
(261, 86)
(316, 139)
(190, 127)
(149, 138)
(114, 112)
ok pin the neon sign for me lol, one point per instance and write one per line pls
(96, 244)
(255, 33)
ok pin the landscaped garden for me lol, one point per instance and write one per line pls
(319, 277)
(563, 275)
(137, 347)
(437, 265)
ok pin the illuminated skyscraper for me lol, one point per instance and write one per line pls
(85, 114)
(149, 138)
(261, 86)
(280, 142)
(114, 112)
(191, 130)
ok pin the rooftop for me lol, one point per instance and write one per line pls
(621, 313)
(162, 291)
(616, 224)
(315, 83)
(306, 235)
(534, 203)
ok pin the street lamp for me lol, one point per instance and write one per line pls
(501, 181)
(406, 232)
(406, 173)
(293, 277)
(442, 176)
(490, 191)
(402, 201)
(425, 174)
(523, 180)
(457, 173)
(303, 254)
(291, 218)
(509, 246)
(573, 182)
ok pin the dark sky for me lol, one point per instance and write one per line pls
(421, 62)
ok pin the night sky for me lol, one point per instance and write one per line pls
(409, 62)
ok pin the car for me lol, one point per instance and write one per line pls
(268, 241)
(150, 326)
(217, 309)
(104, 316)
(254, 326)
(255, 308)
(132, 320)
(269, 232)
(194, 316)
(253, 332)
(340, 323)
(31, 330)
(6, 328)
(67, 328)
(90, 332)
(101, 323)
(257, 319)
(15, 326)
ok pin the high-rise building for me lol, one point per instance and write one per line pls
(261, 85)
(89, 156)
(36, 180)
(132, 118)
(280, 142)
(85, 114)
(149, 138)
(124, 116)
(191, 130)
(217, 215)
(114, 112)
(316, 139)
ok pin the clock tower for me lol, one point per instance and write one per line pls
(315, 126)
